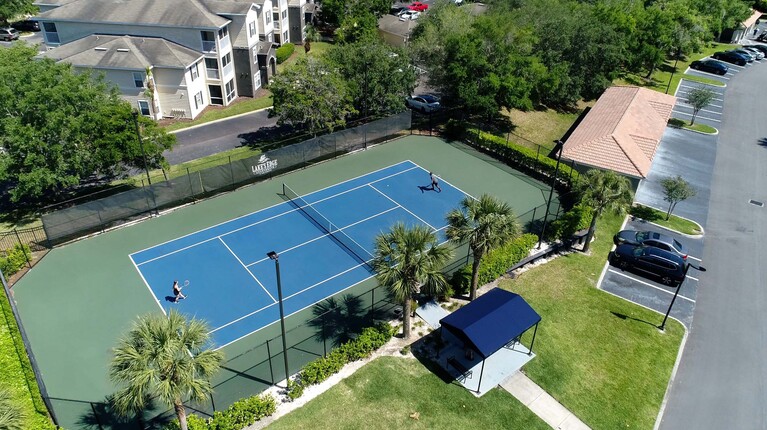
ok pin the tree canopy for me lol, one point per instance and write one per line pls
(62, 129)
(12, 9)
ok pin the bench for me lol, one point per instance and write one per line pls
(465, 373)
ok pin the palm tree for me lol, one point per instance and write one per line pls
(12, 416)
(604, 189)
(166, 359)
(409, 260)
(485, 224)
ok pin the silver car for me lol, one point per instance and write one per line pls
(425, 103)
(8, 34)
(756, 52)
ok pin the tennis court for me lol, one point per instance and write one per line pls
(325, 241)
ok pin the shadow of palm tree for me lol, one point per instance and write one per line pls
(762, 142)
(102, 416)
(341, 321)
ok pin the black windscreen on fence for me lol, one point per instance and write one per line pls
(96, 215)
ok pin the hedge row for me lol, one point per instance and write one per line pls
(577, 218)
(495, 263)
(241, 414)
(321, 369)
(13, 260)
(521, 155)
(284, 52)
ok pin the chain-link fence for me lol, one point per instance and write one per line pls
(97, 215)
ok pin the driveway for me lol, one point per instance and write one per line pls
(690, 155)
(720, 383)
(214, 137)
(651, 294)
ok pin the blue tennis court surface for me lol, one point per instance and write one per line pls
(232, 283)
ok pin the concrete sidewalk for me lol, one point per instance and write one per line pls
(541, 403)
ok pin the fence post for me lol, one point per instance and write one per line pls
(191, 186)
(26, 257)
(96, 416)
(537, 155)
(212, 403)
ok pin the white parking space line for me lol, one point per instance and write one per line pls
(706, 74)
(698, 117)
(703, 110)
(694, 258)
(648, 284)
(694, 279)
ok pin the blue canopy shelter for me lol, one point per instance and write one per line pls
(491, 322)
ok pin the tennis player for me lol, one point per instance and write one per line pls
(177, 292)
(434, 182)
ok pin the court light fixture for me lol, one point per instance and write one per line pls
(274, 256)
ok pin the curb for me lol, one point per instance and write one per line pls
(671, 378)
(694, 236)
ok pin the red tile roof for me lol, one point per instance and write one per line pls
(622, 131)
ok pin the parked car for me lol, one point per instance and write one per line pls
(762, 37)
(665, 266)
(425, 103)
(731, 57)
(710, 66)
(759, 54)
(26, 25)
(418, 6)
(762, 48)
(651, 238)
(8, 34)
(408, 15)
(749, 56)
(397, 10)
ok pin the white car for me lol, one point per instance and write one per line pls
(425, 103)
(409, 15)
(757, 53)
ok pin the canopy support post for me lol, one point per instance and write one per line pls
(530, 351)
(482, 371)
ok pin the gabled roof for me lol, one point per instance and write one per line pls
(622, 131)
(229, 7)
(165, 13)
(751, 20)
(123, 52)
(491, 321)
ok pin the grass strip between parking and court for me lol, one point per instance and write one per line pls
(394, 392)
(602, 357)
(674, 222)
(16, 375)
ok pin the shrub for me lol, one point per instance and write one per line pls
(577, 218)
(15, 259)
(295, 389)
(242, 413)
(495, 263)
(284, 52)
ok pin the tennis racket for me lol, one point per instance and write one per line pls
(186, 283)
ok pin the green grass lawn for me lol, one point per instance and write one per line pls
(386, 392)
(541, 127)
(600, 356)
(659, 217)
(243, 105)
(16, 372)
(703, 128)
(317, 50)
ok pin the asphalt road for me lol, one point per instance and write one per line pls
(212, 138)
(722, 379)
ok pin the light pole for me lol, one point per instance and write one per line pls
(558, 150)
(141, 145)
(678, 53)
(676, 293)
(273, 255)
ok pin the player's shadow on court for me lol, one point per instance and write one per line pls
(424, 188)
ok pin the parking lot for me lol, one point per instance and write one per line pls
(650, 293)
(710, 115)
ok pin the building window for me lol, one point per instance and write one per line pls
(285, 37)
(284, 14)
(268, 18)
(143, 107)
(230, 90)
(257, 81)
(194, 71)
(211, 67)
(138, 79)
(226, 59)
(252, 29)
(198, 100)
(216, 98)
(223, 32)
(51, 34)
(208, 41)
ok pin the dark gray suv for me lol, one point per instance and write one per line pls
(667, 267)
(651, 238)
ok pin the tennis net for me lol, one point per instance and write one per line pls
(344, 239)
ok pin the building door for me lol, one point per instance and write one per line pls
(216, 95)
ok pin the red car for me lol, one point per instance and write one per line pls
(418, 6)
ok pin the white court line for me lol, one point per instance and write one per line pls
(403, 208)
(648, 284)
(326, 235)
(246, 269)
(440, 177)
(274, 205)
(272, 217)
(148, 287)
